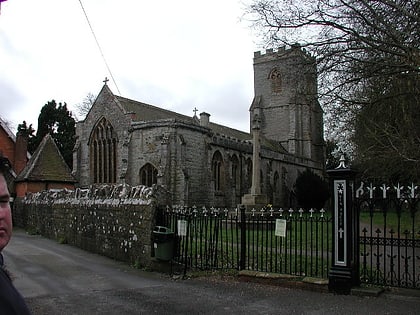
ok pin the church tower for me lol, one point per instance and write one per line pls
(285, 101)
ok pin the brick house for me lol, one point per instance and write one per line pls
(15, 150)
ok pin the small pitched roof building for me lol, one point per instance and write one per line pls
(45, 170)
(197, 161)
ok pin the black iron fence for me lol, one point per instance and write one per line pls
(294, 242)
(299, 242)
(389, 235)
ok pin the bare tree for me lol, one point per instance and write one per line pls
(367, 51)
(84, 107)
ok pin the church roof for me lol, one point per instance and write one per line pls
(272, 145)
(47, 164)
(146, 112)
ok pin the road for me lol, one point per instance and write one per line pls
(61, 279)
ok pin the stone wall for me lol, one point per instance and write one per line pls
(120, 228)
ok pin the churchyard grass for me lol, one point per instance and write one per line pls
(304, 250)
(391, 221)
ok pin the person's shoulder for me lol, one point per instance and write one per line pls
(11, 301)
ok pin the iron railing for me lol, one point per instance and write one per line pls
(389, 235)
(236, 239)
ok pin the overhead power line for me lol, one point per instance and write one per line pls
(99, 47)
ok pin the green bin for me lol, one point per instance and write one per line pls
(163, 243)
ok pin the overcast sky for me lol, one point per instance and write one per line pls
(173, 54)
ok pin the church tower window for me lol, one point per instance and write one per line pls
(148, 175)
(103, 149)
(275, 79)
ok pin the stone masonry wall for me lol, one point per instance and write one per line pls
(119, 231)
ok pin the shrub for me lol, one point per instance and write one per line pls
(311, 190)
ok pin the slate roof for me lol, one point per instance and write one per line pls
(272, 145)
(146, 112)
(7, 130)
(46, 164)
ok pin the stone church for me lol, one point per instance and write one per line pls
(199, 162)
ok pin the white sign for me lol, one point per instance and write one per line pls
(280, 228)
(182, 227)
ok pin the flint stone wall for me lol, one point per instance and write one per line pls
(116, 228)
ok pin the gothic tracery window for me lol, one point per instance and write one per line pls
(148, 175)
(275, 78)
(103, 153)
(218, 171)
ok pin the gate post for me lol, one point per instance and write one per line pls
(344, 272)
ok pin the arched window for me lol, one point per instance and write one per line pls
(148, 175)
(275, 78)
(103, 153)
(235, 172)
(218, 171)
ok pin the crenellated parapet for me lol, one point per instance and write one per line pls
(272, 54)
(232, 143)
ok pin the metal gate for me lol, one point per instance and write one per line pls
(389, 219)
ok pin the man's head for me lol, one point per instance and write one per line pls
(5, 211)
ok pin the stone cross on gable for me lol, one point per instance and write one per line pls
(106, 80)
(195, 110)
